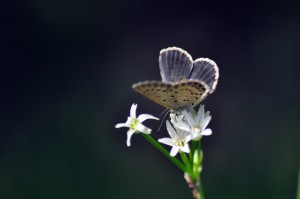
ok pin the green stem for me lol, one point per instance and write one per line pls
(298, 188)
(185, 161)
(199, 184)
(165, 152)
(194, 144)
(200, 188)
(199, 152)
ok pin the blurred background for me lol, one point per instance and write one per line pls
(66, 73)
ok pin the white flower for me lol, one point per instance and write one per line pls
(178, 120)
(179, 140)
(195, 123)
(135, 123)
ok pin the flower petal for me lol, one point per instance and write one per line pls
(176, 118)
(174, 150)
(180, 122)
(133, 111)
(173, 117)
(183, 126)
(144, 117)
(196, 137)
(126, 124)
(171, 130)
(119, 125)
(143, 129)
(206, 132)
(185, 148)
(205, 122)
(200, 114)
(129, 134)
(167, 141)
(189, 117)
(188, 138)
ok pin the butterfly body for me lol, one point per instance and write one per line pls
(185, 83)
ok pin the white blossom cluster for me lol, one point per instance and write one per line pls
(186, 125)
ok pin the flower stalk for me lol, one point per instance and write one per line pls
(165, 152)
(186, 126)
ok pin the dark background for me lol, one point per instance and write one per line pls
(66, 73)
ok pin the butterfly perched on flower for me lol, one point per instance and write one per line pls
(185, 83)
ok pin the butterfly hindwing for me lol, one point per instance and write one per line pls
(207, 71)
(175, 64)
(173, 96)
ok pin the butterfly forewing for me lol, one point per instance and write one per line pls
(173, 96)
(175, 64)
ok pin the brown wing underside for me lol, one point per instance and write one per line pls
(173, 96)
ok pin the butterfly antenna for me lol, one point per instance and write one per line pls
(163, 119)
(163, 112)
(193, 111)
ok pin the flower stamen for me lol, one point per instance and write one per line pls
(133, 124)
(179, 142)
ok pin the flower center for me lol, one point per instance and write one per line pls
(134, 124)
(179, 142)
(196, 129)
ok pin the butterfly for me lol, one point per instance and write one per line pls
(185, 83)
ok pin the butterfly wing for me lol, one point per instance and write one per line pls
(175, 64)
(173, 96)
(207, 71)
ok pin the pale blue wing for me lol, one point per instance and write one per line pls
(175, 64)
(207, 71)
